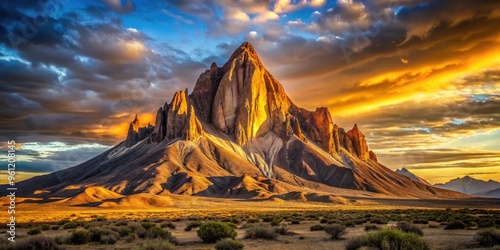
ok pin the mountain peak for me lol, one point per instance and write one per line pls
(246, 52)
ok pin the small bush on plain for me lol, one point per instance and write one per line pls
(214, 231)
(229, 244)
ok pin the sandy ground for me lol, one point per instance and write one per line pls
(30, 211)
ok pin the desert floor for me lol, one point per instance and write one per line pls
(31, 213)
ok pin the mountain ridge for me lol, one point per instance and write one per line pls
(236, 135)
(412, 176)
(472, 186)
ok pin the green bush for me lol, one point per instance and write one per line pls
(408, 228)
(45, 227)
(488, 237)
(336, 231)
(317, 228)
(391, 239)
(148, 225)
(80, 237)
(295, 222)
(157, 244)
(260, 232)
(276, 222)
(71, 225)
(159, 233)
(168, 224)
(193, 224)
(36, 243)
(55, 227)
(214, 231)
(379, 220)
(35, 231)
(456, 224)
(103, 235)
(228, 244)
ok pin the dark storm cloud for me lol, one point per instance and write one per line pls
(68, 80)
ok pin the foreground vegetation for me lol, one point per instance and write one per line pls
(389, 229)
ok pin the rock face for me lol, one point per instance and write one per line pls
(237, 134)
(359, 143)
(177, 120)
(136, 133)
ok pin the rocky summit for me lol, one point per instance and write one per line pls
(237, 134)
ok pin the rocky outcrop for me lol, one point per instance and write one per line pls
(345, 141)
(359, 143)
(136, 133)
(204, 91)
(160, 126)
(372, 156)
(177, 120)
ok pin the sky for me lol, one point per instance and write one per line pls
(420, 78)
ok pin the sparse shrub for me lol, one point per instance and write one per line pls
(433, 224)
(392, 239)
(35, 231)
(260, 232)
(253, 220)
(379, 220)
(456, 224)
(354, 243)
(168, 224)
(36, 243)
(55, 227)
(80, 237)
(121, 223)
(349, 224)
(408, 228)
(157, 232)
(62, 222)
(139, 230)
(125, 230)
(295, 222)
(420, 221)
(193, 224)
(45, 227)
(148, 225)
(157, 244)
(71, 225)
(317, 228)
(108, 239)
(229, 244)
(488, 237)
(214, 231)
(276, 222)
(101, 219)
(371, 227)
(129, 238)
(336, 231)
(282, 230)
(103, 235)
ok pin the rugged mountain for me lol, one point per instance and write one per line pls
(495, 193)
(236, 135)
(469, 185)
(413, 177)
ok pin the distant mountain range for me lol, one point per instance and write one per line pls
(469, 185)
(413, 177)
(237, 135)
